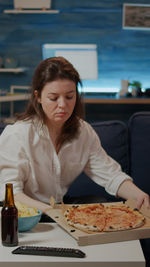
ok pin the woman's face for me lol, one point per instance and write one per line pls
(58, 99)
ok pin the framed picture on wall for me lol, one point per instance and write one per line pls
(136, 16)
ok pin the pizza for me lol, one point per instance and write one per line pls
(102, 218)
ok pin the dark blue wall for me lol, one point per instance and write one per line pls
(122, 54)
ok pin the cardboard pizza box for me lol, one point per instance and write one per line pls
(84, 238)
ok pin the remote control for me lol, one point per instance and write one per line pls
(49, 251)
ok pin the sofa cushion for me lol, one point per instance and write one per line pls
(139, 144)
(114, 139)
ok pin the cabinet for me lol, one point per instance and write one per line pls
(102, 109)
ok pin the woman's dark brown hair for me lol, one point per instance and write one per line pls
(49, 70)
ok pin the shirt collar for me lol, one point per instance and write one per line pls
(41, 128)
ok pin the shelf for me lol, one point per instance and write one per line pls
(31, 11)
(14, 97)
(15, 70)
(116, 100)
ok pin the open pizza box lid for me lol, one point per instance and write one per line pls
(84, 238)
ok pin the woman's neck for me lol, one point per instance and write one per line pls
(55, 132)
(54, 129)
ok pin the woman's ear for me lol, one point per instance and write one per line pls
(36, 95)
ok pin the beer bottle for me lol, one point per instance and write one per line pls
(9, 219)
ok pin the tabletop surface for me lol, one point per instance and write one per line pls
(118, 254)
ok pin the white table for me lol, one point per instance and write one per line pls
(119, 254)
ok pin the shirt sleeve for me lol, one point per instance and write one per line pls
(13, 161)
(103, 169)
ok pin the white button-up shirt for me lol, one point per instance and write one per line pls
(29, 160)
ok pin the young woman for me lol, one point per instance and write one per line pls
(50, 144)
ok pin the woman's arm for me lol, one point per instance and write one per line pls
(31, 202)
(128, 190)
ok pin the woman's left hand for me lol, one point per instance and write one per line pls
(143, 199)
(128, 190)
